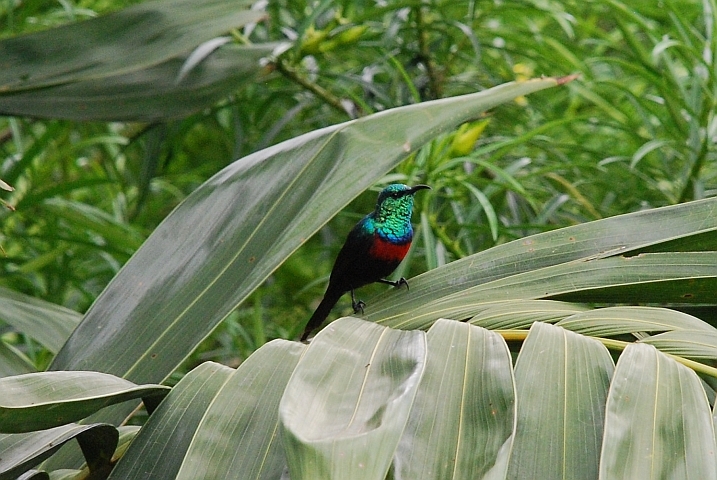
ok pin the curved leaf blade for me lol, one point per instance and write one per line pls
(20, 452)
(42, 400)
(697, 344)
(658, 422)
(559, 428)
(13, 362)
(462, 420)
(344, 410)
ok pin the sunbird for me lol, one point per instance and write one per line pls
(372, 251)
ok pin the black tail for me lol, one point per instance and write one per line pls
(322, 311)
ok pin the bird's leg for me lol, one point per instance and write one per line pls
(401, 281)
(357, 305)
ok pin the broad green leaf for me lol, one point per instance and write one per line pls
(660, 229)
(20, 452)
(697, 344)
(227, 237)
(153, 31)
(658, 422)
(521, 314)
(147, 95)
(605, 322)
(237, 438)
(158, 449)
(13, 362)
(462, 419)
(562, 381)
(36, 401)
(46, 322)
(344, 409)
(650, 277)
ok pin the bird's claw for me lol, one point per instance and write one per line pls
(402, 281)
(358, 306)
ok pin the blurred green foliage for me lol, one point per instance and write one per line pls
(636, 131)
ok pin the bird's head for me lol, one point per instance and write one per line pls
(396, 200)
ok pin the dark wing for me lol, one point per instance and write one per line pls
(350, 262)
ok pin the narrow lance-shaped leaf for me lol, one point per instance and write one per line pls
(46, 322)
(238, 227)
(654, 277)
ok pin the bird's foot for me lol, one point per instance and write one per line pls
(401, 281)
(358, 306)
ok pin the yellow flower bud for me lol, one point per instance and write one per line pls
(466, 136)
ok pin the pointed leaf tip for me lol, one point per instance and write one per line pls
(567, 78)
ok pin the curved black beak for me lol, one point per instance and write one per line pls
(413, 190)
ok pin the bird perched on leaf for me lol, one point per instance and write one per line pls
(373, 250)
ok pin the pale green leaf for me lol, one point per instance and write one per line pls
(13, 362)
(462, 419)
(153, 31)
(650, 277)
(147, 95)
(344, 409)
(658, 422)
(697, 344)
(562, 381)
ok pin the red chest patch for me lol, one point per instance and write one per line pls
(388, 251)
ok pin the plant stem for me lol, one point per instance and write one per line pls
(425, 52)
(318, 90)
(619, 346)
